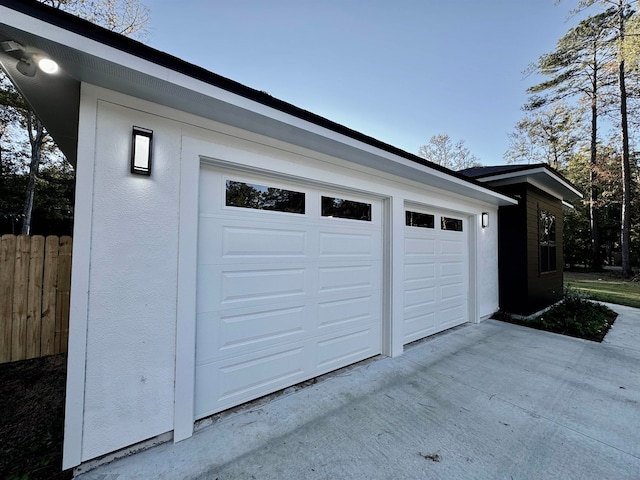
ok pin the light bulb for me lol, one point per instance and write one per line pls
(48, 66)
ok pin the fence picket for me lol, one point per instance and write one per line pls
(20, 298)
(7, 268)
(63, 294)
(34, 301)
(49, 287)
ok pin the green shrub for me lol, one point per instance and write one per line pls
(574, 316)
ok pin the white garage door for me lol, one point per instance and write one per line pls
(436, 272)
(289, 285)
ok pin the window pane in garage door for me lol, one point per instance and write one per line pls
(260, 197)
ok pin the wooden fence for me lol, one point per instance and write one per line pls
(35, 281)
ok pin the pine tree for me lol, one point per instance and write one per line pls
(578, 70)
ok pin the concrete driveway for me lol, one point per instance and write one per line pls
(489, 401)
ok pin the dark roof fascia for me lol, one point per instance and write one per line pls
(133, 47)
(523, 168)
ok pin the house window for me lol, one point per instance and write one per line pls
(454, 224)
(261, 197)
(421, 220)
(547, 241)
(341, 208)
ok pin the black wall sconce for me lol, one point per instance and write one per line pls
(141, 151)
(485, 219)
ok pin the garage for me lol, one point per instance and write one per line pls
(289, 285)
(436, 266)
(261, 245)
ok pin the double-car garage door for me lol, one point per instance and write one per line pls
(290, 284)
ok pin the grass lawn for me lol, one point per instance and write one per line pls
(604, 286)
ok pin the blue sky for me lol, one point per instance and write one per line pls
(398, 70)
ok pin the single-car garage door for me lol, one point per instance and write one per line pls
(436, 272)
(289, 285)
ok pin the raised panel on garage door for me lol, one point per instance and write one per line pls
(436, 270)
(282, 297)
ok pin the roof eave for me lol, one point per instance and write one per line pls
(541, 177)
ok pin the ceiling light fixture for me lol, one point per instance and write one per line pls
(48, 66)
(27, 59)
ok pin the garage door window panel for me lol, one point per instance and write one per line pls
(262, 197)
(420, 220)
(342, 208)
(451, 224)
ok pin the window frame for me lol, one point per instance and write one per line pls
(547, 242)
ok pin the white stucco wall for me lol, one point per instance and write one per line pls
(487, 261)
(130, 318)
(126, 291)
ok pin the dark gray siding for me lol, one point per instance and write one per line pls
(523, 288)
